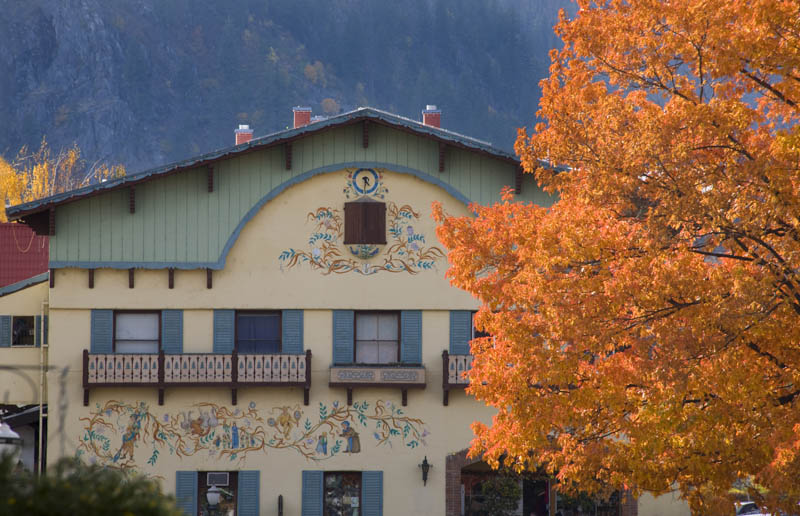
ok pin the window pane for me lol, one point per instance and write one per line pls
(387, 352)
(387, 327)
(258, 333)
(22, 333)
(366, 326)
(342, 494)
(137, 346)
(367, 352)
(136, 327)
(259, 346)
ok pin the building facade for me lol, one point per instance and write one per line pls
(271, 322)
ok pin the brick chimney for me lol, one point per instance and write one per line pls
(302, 116)
(432, 116)
(243, 134)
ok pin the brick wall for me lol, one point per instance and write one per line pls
(22, 253)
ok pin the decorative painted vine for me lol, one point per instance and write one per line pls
(406, 249)
(122, 435)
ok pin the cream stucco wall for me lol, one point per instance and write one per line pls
(253, 278)
(19, 378)
(668, 504)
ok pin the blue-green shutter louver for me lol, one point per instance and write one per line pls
(311, 504)
(37, 330)
(292, 332)
(343, 336)
(45, 330)
(460, 331)
(172, 331)
(5, 331)
(224, 327)
(102, 338)
(248, 503)
(372, 493)
(186, 491)
(411, 336)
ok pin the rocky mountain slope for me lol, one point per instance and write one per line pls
(146, 82)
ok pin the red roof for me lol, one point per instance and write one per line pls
(22, 253)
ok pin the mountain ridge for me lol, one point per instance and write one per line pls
(144, 83)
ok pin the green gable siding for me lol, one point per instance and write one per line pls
(178, 223)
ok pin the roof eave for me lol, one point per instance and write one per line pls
(21, 211)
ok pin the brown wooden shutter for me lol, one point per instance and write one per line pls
(364, 222)
(353, 222)
(375, 223)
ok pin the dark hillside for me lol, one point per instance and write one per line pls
(144, 82)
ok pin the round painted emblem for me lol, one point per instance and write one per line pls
(365, 181)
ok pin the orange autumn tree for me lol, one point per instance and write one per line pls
(36, 174)
(646, 327)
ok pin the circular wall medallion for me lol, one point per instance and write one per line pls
(365, 181)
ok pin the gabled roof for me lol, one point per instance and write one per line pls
(361, 114)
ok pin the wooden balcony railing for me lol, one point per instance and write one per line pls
(453, 369)
(195, 370)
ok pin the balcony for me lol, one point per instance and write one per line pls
(195, 370)
(398, 376)
(453, 369)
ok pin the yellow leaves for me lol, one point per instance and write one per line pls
(39, 174)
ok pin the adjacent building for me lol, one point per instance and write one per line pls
(23, 338)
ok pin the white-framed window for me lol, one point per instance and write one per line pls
(137, 332)
(377, 338)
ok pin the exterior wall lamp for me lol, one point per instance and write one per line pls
(426, 467)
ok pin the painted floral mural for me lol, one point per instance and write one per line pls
(406, 249)
(127, 435)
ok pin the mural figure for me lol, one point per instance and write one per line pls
(322, 445)
(235, 437)
(353, 442)
(129, 437)
(406, 249)
(124, 435)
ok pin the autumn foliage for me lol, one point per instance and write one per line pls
(42, 173)
(646, 327)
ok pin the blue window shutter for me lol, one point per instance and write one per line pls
(343, 336)
(372, 493)
(5, 331)
(460, 331)
(37, 322)
(44, 330)
(411, 336)
(224, 322)
(292, 332)
(172, 331)
(247, 503)
(312, 493)
(102, 338)
(186, 491)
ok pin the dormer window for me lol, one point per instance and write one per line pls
(364, 222)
